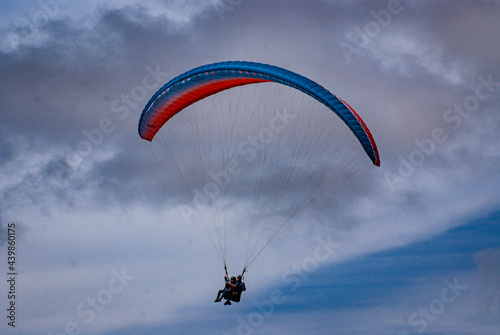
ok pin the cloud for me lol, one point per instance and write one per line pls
(89, 196)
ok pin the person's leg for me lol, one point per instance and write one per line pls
(219, 296)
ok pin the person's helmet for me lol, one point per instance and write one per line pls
(233, 278)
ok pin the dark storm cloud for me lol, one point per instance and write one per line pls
(58, 93)
(468, 30)
(63, 88)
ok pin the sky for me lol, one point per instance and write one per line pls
(94, 214)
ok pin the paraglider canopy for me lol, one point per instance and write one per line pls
(204, 81)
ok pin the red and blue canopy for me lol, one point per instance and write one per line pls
(206, 80)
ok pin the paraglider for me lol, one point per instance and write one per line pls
(232, 290)
(253, 157)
